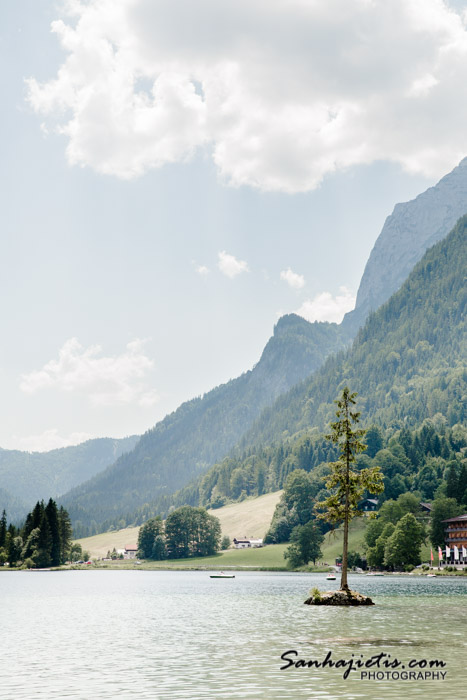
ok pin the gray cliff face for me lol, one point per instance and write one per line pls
(412, 228)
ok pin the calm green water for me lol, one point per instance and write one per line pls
(172, 635)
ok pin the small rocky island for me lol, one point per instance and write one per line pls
(341, 597)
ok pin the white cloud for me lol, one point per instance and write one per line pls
(230, 266)
(202, 270)
(325, 307)
(283, 93)
(46, 441)
(106, 381)
(293, 279)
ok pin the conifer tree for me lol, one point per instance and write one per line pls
(51, 514)
(346, 485)
(452, 487)
(66, 534)
(3, 529)
(44, 544)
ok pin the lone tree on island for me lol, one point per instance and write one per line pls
(347, 485)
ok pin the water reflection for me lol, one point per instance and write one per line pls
(161, 635)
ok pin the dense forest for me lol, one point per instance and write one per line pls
(44, 540)
(428, 463)
(187, 532)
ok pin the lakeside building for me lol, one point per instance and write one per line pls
(246, 543)
(368, 505)
(455, 539)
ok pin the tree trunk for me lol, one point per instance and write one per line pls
(344, 584)
(345, 547)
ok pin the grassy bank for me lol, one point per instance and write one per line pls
(250, 518)
(99, 545)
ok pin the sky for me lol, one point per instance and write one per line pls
(175, 176)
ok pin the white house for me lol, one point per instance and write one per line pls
(245, 543)
(130, 551)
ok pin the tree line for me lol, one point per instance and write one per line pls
(187, 532)
(44, 540)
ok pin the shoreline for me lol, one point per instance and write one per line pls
(146, 566)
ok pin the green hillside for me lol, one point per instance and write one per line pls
(251, 517)
(408, 362)
(271, 556)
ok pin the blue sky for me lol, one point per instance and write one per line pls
(175, 176)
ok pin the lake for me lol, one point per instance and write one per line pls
(172, 635)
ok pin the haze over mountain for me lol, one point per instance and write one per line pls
(407, 233)
(203, 430)
(408, 364)
(26, 477)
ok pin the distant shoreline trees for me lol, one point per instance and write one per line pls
(187, 532)
(43, 541)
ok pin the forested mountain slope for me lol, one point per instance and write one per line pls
(203, 430)
(408, 363)
(26, 477)
(410, 230)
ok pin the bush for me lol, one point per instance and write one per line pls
(315, 593)
(409, 567)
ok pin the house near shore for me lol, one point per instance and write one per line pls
(455, 539)
(130, 551)
(247, 543)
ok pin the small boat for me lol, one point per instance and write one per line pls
(330, 577)
(431, 575)
(222, 575)
(375, 573)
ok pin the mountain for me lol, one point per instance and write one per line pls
(186, 443)
(27, 477)
(203, 430)
(408, 362)
(14, 507)
(412, 228)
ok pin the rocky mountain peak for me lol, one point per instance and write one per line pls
(408, 232)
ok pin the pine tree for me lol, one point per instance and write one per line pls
(3, 529)
(44, 544)
(462, 482)
(346, 484)
(374, 440)
(51, 514)
(66, 534)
